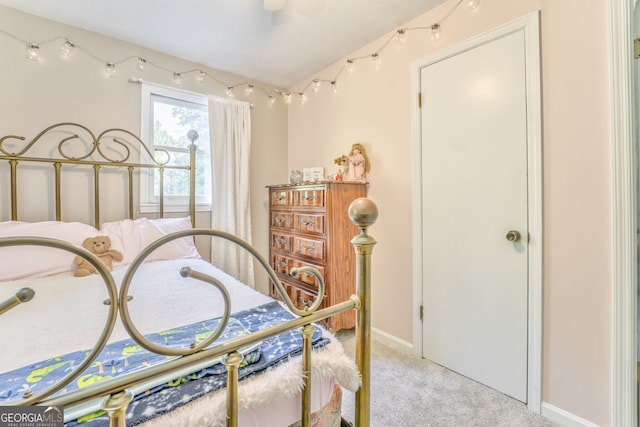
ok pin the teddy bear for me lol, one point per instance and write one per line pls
(101, 247)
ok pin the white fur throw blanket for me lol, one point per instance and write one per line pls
(279, 383)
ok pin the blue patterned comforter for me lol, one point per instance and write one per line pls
(126, 356)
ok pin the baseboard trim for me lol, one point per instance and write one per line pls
(391, 340)
(563, 417)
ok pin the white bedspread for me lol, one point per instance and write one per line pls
(68, 314)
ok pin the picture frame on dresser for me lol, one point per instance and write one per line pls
(309, 226)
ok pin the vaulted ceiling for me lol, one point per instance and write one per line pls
(281, 47)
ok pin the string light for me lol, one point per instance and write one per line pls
(375, 61)
(436, 32)
(33, 52)
(401, 36)
(141, 64)
(349, 66)
(110, 70)
(67, 48)
(473, 4)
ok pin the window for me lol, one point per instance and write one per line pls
(168, 114)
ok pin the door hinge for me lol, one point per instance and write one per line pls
(421, 312)
(419, 99)
(636, 49)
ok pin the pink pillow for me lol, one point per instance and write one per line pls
(20, 262)
(130, 237)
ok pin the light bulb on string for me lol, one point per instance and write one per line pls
(287, 98)
(177, 78)
(315, 85)
(141, 63)
(202, 76)
(375, 61)
(302, 98)
(33, 52)
(334, 86)
(110, 70)
(348, 66)
(66, 48)
(230, 91)
(401, 36)
(272, 100)
(436, 32)
(249, 89)
(473, 4)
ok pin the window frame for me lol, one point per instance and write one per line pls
(148, 202)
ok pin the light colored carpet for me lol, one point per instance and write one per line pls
(409, 391)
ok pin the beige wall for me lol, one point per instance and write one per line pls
(36, 95)
(374, 107)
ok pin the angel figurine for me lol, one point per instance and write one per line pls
(358, 163)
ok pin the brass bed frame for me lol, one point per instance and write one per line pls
(116, 392)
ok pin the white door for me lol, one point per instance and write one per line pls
(474, 184)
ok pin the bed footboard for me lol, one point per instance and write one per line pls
(116, 392)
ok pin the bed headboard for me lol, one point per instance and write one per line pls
(75, 148)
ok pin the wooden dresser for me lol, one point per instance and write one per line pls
(310, 227)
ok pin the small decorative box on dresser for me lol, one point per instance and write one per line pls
(310, 227)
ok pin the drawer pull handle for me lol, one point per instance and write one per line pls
(307, 247)
(306, 275)
(281, 264)
(307, 221)
(281, 241)
(305, 301)
(282, 197)
(281, 219)
(308, 198)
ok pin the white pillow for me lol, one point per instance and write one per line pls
(18, 262)
(130, 237)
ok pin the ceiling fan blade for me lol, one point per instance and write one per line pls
(274, 5)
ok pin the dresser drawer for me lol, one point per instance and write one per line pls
(307, 277)
(312, 197)
(281, 241)
(309, 223)
(280, 264)
(301, 298)
(281, 219)
(281, 197)
(309, 247)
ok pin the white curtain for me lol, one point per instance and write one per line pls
(230, 123)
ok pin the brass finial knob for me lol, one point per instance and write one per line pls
(363, 212)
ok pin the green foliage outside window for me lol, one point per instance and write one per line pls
(170, 129)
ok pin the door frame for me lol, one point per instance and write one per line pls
(624, 308)
(530, 25)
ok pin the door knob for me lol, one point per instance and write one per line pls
(513, 236)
